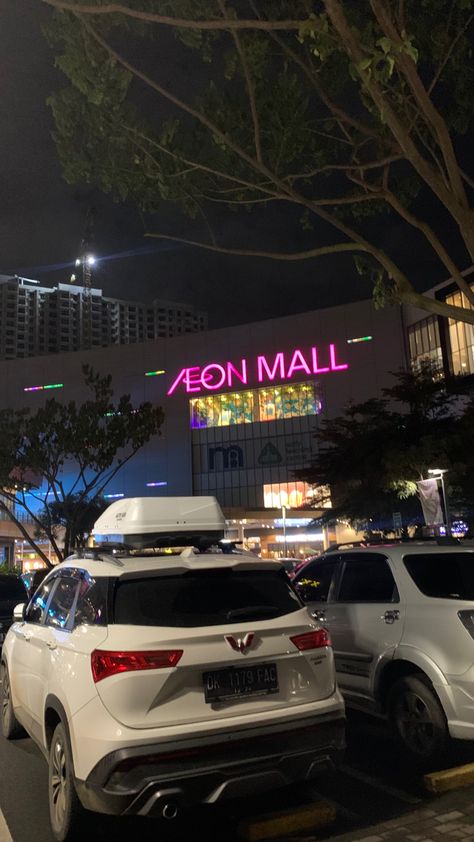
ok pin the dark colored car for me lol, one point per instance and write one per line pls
(32, 580)
(12, 591)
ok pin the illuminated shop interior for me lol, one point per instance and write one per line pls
(269, 404)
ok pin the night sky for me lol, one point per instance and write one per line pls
(42, 217)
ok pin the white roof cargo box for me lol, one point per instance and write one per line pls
(160, 521)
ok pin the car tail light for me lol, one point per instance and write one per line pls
(105, 663)
(312, 640)
(467, 619)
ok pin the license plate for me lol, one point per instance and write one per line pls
(238, 683)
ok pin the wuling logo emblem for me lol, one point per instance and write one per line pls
(240, 644)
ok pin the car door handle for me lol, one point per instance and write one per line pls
(51, 644)
(391, 616)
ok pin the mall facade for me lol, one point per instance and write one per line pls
(242, 405)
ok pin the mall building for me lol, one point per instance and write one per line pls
(242, 405)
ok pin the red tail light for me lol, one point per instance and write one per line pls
(312, 640)
(105, 664)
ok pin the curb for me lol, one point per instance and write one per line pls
(449, 779)
(288, 822)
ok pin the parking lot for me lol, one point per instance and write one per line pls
(374, 785)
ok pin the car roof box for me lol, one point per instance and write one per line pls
(144, 522)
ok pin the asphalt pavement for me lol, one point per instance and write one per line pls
(375, 788)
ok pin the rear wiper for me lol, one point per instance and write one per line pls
(251, 610)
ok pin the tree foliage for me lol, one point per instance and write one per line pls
(56, 462)
(373, 455)
(343, 110)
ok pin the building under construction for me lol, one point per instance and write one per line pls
(37, 320)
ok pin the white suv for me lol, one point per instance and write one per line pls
(155, 682)
(401, 619)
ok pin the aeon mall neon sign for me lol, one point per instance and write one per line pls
(281, 366)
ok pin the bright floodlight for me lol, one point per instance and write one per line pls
(90, 259)
(437, 470)
(78, 262)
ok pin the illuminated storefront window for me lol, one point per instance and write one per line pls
(289, 494)
(269, 404)
(461, 338)
(425, 343)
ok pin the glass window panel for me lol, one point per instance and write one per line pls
(456, 363)
(464, 361)
(260, 405)
(453, 336)
(425, 342)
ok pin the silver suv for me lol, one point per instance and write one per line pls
(401, 618)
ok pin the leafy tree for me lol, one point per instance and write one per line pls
(344, 111)
(374, 454)
(56, 462)
(61, 517)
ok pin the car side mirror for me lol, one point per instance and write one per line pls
(19, 612)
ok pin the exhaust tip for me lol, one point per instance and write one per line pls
(170, 811)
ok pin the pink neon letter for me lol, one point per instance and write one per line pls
(332, 356)
(181, 376)
(193, 381)
(206, 376)
(242, 375)
(262, 363)
(316, 370)
(302, 365)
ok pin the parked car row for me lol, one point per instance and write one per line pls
(155, 682)
(401, 620)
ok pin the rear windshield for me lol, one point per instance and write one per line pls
(443, 575)
(204, 598)
(12, 588)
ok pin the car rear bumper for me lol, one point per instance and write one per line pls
(150, 780)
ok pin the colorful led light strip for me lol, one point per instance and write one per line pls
(359, 339)
(43, 388)
(154, 373)
(155, 484)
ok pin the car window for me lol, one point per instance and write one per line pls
(204, 598)
(367, 578)
(36, 610)
(443, 575)
(91, 602)
(313, 583)
(59, 610)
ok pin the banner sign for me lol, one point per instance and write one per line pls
(430, 501)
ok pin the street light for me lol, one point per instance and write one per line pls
(438, 473)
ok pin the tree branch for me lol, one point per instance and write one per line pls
(433, 240)
(18, 523)
(180, 23)
(333, 108)
(274, 255)
(250, 87)
(423, 167)
(448, 55)
(408, 69)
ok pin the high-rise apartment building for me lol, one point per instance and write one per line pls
(36, 320)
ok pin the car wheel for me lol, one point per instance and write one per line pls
(11, 728)
(65, 810)
(418, 719)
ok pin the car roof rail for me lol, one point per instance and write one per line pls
(439, 540)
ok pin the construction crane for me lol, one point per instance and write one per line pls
(85, 263)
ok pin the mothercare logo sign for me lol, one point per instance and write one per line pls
(261, 369)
